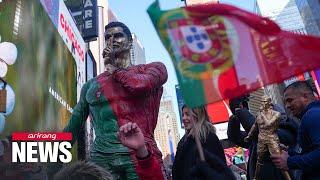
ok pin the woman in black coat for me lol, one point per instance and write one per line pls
(187, 163)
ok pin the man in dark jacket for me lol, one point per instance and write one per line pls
(300, 99)
(287, 133)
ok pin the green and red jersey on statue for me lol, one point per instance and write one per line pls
(127, 95)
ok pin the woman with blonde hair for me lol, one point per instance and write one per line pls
(187, 164)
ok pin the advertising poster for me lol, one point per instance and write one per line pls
(44, 76)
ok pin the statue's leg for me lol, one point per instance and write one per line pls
(261, 149)
(129, 164)
(274, 148)
(120, 166)
(104, 161)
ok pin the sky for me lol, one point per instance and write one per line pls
(272, 7)
(134, 15)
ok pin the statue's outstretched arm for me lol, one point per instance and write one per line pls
(79, 115)
(252, 130)
(142, 79)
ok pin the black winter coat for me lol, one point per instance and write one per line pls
(187, 155)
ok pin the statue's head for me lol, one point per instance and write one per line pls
(266, 101)
(118, 35)
(119, 41)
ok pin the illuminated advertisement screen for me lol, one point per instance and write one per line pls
(42, 81)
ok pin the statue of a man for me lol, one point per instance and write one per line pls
(122, 94)
(267, 122)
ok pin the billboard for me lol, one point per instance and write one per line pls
(85, 14)
(49, 68)
(64, 23)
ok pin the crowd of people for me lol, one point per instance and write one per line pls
(124, 103)
(299, 140)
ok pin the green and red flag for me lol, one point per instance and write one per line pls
(221, 52)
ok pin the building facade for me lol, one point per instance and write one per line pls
(310, 13)
(286, 14)
(137, 52)
(166, 133)
(255, 101)
(97, 46)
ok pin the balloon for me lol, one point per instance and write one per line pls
(3, 69)
(10, 99)
(8, 52)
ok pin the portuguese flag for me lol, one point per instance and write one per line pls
(221, 52)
